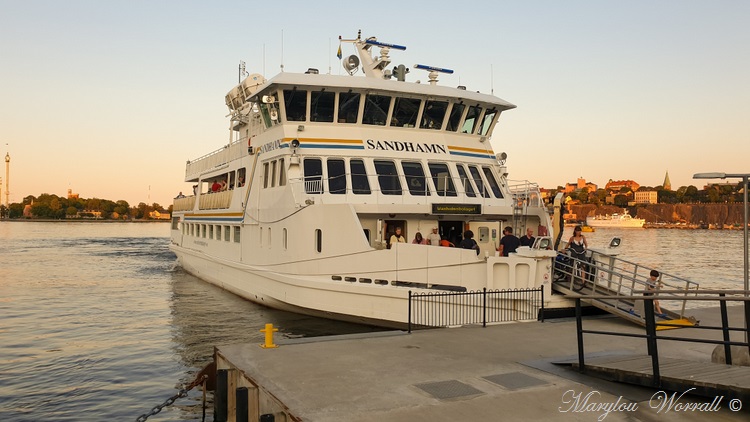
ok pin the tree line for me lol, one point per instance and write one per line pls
(714, 193)
(50, 206)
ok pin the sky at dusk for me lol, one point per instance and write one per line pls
(111, 98)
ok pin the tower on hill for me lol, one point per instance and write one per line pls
(667, 185)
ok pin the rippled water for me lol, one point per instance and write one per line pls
(98, 324)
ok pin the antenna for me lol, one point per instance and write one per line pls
(282, 51)
(492, 81)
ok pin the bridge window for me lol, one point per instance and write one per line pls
(273, 173)
(441, 177)
(433, 115)
(415, 179)
(455, 117)
(478, 181)
(489, 116)
(282, 173)
(388, 177)
(472, 116)
(348, 107)
(465, 182)
(336, 176)
(405, 112)
(376, 109)
(313, 175)
(321, 106)
(493, 182)
(360, 183)
(295, 102)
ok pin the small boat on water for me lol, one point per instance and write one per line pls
(615, 220)
(300, 210)
(588, 229)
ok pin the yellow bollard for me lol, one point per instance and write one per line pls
(269, 330)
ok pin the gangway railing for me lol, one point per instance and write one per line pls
(620, 280)
(652, 325)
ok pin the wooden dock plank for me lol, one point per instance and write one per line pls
(706, 377)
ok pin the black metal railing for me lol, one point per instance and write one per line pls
(446, 309)
(651, 326)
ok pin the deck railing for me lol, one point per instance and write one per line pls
(445, 309)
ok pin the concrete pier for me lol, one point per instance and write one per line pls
(503, 372)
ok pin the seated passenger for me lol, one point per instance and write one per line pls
(216, 186)
(445, 242)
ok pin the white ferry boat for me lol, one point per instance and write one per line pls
(615, 220)
(297, 211)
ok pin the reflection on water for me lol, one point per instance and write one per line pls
(98, 324)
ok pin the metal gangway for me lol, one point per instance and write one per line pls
(603, 274)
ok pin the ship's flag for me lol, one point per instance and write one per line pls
(338, 53)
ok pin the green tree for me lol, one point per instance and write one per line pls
(621, 200)
(691, 194)
(71, 211)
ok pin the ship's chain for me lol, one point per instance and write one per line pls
(183, 392)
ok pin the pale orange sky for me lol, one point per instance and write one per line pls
(111, 99)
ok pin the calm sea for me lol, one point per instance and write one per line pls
(98, 323)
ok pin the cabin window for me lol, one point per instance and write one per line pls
(465, 182)
(273, 173)
(376, 109)
(336, 176)
(433, 115)
(295, 103)
(415, 179)
(489, 116)
(348, 107)
(321, 106)
(478, 181)
(175, 223)
(318, 240)
(284, 238)
(388, 177)
(360, 183)
(405, 111)
(313, 175)
(472, 116)
(282, 173)
(218, 232)
(241, 177)
(226, 233)
(492, 182)
(211, 231)
(265, 175)
(236, 234)
(441, 177)
(455, 117)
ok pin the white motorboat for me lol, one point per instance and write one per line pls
(615, 220)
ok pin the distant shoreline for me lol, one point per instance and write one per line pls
(46, 220)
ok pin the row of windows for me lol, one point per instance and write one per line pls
(212, 231)
(232, 233)
(472, 180)
(274, 173)
(382, 110)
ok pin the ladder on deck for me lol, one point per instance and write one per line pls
(607, 275)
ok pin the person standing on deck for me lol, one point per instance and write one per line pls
(396, 238)
(528, 240)
(509, 243)
(434, 237)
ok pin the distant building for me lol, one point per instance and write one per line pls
(616, 185)
(72, 195)
(667, 185)
(646, 197)
(156, 215)
(580, 184)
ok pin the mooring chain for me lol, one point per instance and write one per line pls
(181, 393)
